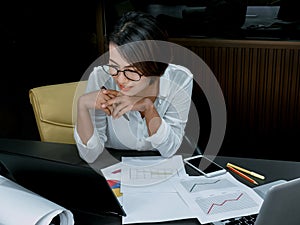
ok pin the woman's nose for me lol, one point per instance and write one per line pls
(121, 78)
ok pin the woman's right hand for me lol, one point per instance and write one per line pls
(96, 100)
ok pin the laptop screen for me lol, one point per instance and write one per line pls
(74, 187)
(281, 205)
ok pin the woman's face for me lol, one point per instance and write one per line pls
(127, 87)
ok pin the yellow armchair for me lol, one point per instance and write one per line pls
(54, 108)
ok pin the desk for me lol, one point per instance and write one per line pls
(65, 153)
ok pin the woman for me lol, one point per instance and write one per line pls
(134, 102)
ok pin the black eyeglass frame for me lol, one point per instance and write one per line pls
(124, 72)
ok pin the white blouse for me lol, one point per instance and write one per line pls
(172, 104)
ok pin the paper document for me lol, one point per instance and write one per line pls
(218, 198)
(151, 174)
(21, 206)
(149, 207)
(148, 191)
(112, 175)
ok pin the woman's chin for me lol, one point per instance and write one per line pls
(126, 92)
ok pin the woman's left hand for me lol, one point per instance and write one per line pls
(124, 103)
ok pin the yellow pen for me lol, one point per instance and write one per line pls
(246, 171)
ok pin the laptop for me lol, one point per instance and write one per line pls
(280, 206)
(77, 188)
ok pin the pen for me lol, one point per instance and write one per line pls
(246, 171)
(124, 115)
(242, 175)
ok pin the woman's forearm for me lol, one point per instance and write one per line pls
(84, 124)
(152, 117)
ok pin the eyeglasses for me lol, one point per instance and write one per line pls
(129, 74)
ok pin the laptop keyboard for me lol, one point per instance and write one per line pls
(244, 220)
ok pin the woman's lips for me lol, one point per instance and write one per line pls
(124, 88)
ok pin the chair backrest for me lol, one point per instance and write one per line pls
(53, 107)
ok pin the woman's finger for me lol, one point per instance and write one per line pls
(111, 92)
(113, 101)
(107, 110)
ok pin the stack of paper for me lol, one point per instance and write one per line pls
(157, 189)
(21, 206)
(218, 198)
(147, 190)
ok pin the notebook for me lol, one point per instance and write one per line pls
(280, 206)
(77, 188)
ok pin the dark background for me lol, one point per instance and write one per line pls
(42, 43)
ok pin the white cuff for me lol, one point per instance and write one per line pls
(160, 136)
(91, 150)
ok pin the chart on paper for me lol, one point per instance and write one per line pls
(203, 185)
(148, 176)
(157, 171)
(113, 177)
(218, 198)
(225, 202)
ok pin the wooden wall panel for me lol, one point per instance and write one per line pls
(260, 80)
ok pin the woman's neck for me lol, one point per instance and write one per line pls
(152, 90)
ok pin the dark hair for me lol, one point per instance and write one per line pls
(136, 34)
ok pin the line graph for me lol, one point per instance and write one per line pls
(225, 202)
(203, 185)
(196, 184)
(218, 198)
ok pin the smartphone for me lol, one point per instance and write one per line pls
(204, 165)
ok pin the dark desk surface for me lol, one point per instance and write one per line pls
(65, 153)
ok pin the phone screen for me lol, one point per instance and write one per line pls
(204, 164)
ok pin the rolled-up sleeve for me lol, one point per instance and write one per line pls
(161, 140)
(160, 136)
(95, 144)
(91, 151)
